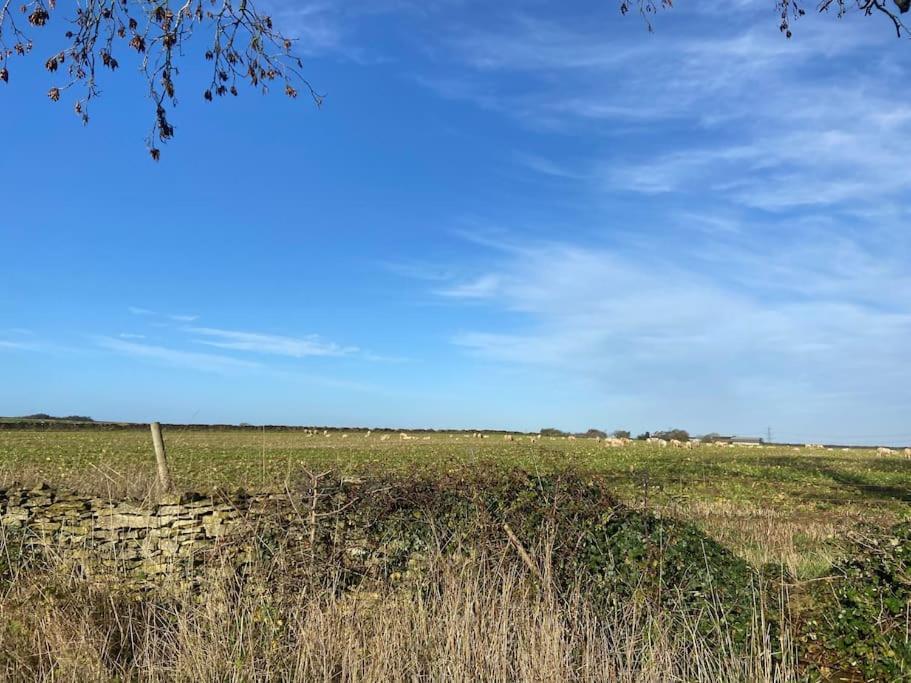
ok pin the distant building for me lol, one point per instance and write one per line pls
(746, 441)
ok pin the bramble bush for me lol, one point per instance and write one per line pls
(859, 622)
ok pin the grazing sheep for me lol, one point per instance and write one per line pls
(907, 452)
(571, 437)
(662, 443)
(884, 451)
(509, 437)
(404, 437)
(426, 438)
(344, 436)
(367, 435)
(384, 437)
(675, 443)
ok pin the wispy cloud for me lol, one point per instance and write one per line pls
(131, 335)
(820, 161)
(333, 28)
(294, 347)
(7, 345)
(193, 360)
(19, 339)
(548, 167)
(718, 321)
(161, 318)
(767, 125)
(420, 271)
(481, 287)
(383, 358)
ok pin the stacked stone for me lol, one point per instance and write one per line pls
(125, 540)
(105, 535)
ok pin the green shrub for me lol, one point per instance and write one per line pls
(588, 537)
(859, 621)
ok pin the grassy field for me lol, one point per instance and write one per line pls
(770, 504)
(482, 615)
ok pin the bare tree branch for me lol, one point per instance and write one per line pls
(245, 47)
(789, 10)
(243, 44)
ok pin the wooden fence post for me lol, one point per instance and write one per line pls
(164, 473)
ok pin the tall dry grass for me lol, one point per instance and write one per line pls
(468, 619)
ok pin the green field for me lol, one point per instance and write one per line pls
(769, 504)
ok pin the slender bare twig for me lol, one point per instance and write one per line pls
(245, 46)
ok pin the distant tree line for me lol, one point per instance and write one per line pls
(592, 433)
(68, 418)
(667, 435)
(673, 435)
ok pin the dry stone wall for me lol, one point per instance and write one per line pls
(177, 533)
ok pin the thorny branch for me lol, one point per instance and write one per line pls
(244, 47)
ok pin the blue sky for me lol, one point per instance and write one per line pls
(534, 215)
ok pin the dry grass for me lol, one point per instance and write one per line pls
(802, 543)
(466, 620)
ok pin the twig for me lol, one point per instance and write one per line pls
(526, 558)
